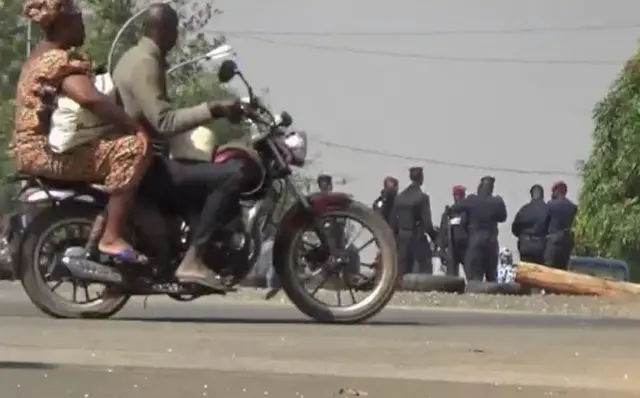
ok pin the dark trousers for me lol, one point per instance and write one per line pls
(558, 250)
(481, 258)
(197, 191)
(422, 254)
(532, 248)
(458, 251)
(405, 242)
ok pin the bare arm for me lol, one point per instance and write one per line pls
(147, 87)
(79, 88)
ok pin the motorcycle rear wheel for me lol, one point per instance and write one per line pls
(385, 280)
(31, 277)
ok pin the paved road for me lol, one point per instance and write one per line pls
(233, 349)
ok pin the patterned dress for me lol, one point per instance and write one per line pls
(117, 162)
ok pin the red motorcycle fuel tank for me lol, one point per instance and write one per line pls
(253, 171)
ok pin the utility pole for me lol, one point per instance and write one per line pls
(28, 44)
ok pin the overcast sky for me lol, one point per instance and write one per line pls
(416, 101)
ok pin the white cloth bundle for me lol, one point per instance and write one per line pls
(197, 144)
(72, 125)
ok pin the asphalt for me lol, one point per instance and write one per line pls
(230, 348)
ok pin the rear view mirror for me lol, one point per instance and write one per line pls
(285, 119)
(228, 69)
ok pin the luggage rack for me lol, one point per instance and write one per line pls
(50, 185)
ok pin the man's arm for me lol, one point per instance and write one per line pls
(377, 205)
(516, 227)
(426, 220)
(148, 80)
(501, 209)
(393, 218)
(443, 241)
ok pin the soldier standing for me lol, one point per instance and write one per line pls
(562, 212)
(531, 225)
(453, 235)
(411, 219)
(384, 203)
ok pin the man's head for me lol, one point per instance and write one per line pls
(390, 186)
(459, 193)
(416, 175)
(325, 183)
(558, 190)
(161, 25)
(537, 192)
(486, 185)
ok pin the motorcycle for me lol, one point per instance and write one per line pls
(255, 212)
(58, 243)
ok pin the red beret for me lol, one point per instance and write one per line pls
(459, 190)
(559, 185)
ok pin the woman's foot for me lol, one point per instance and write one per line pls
(120, 251)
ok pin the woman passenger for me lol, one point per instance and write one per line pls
(118, 162)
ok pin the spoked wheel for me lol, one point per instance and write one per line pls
(47, 281)
(348, 286)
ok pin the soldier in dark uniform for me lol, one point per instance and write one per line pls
(484, 211)
(530, 226)
(335, 227)
(562, 212)
(384, 203)
(325, 183)
(411, 219)
(337, 230)
(453, 236)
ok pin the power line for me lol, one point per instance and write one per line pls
(461, 32)
(443, 162)
(394, 54)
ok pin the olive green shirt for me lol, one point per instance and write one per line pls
(140, 81)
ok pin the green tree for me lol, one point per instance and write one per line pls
(608, 222)
(13, 44)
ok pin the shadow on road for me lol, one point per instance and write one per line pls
(26, 365)
(410, 318)
(260, 321)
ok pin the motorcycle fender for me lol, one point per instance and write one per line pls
(296, 217)
(13, 227)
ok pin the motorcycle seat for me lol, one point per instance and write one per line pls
(51, 183)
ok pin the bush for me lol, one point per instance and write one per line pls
(608, 222)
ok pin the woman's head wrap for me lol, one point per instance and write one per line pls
(45, 12)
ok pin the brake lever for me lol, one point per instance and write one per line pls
(251, 114)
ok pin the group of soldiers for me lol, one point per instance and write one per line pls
(468, 231)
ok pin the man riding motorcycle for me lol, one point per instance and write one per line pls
(199, 191)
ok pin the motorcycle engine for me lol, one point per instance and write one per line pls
(228, 254)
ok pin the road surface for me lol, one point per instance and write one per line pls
(235, 349)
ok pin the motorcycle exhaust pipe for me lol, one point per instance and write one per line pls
(77, 261)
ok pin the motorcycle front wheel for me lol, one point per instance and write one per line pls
(383, 281)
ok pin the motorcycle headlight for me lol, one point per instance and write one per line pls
(296, 142)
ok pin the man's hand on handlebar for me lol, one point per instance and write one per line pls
(255, 103)
(232, 109)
